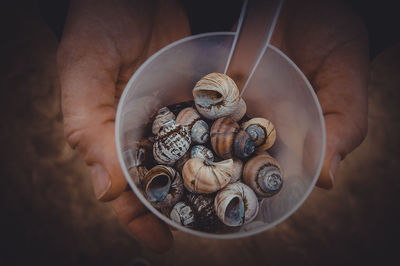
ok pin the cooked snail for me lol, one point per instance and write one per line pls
(172, 142)
(263, 174)
(261, 131)
(216, 95)
(228, 140)
(236, 204)
(163, 186)
(205, 176)
(163, 116)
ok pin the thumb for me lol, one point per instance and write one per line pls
(88, 103)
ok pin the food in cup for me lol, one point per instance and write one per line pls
(210, 166)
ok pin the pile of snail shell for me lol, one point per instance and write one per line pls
(208, 166)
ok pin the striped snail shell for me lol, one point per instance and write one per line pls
(216, 95)
(163, 186)
(202, 176)
(172, 142)
(228, 140)
(204, 211)
(182, 214)
(261, 131)
(263, 174)
(163, 116)
(237, 170)
(236, 204)
(187, 117)
(199, 132)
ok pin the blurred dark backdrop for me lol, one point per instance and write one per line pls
(49, 215)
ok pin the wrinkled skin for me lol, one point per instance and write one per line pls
(104, 43)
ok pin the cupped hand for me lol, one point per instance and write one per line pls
(102, 45)
(329, 44)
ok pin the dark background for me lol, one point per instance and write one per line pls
(49, 215)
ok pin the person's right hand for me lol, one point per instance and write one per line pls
(102, 45)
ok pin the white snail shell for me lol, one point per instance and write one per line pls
(206, 177)
(163, 116)
(201, 152)
(263, 174)
(237, 170)
(261, 131)
(172, 142)
(200, 132)
(163, 186)
(236, 204)
(182, 214)
(216, 95)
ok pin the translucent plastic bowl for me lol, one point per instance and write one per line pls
(278, 91)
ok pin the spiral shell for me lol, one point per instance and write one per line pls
(172, 142)
(223, 133)
(163, 186)
(261, 131)
(243, 145)
(236, 204)
(204, 212)
(187, 117)
(199, 132)
(202, 152)
(163, 116)
(182, 214)
(206, 177)
(263, 174)
(216, 95)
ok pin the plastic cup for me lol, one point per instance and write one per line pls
(277, 91)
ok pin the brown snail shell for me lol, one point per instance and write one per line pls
(206, 177)
(182, 214)
(187, 117)
(163, 116)
(228, 140)
(202, 152)
(236, 204)
(222, 134)
(263, 174)
(172, 142)
(204, 211)
(216, 95)
(199, 132)
(261, 131)
(163, 186)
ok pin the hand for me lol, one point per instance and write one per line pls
(102, 45)
(329, 44)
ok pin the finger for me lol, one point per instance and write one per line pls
(342, 91)
(144, 226)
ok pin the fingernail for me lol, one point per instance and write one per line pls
(101, 181)
(334, 166)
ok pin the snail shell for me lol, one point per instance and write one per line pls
(182, 214)
(163, 116)
(243, 145)
(227, 139)
(223, 133)
(187, 117)
(261, 131)
(172, 142)
(216, 95)
(206, 177)
(199, 132)
(236, 204)
(202, 152)
(263, 174)
(237, 170)
(204, 211)
(163, 186)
